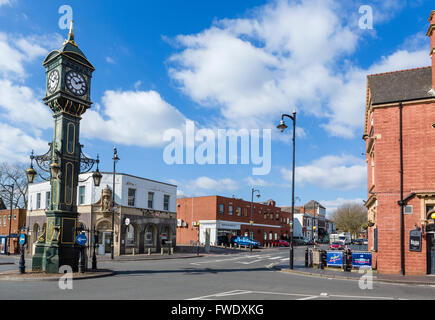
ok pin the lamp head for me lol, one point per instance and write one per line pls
(30, 174)
(115, 154)
(96, 176)
(282, 126)
(54, 170)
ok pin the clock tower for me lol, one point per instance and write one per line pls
(69, 75)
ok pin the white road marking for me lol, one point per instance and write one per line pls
(274, 258)
(285, 259)
(249, 262)
(304, 296)
(309, 298)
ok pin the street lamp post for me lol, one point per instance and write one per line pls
(115, 160)
(251, 222)
(282, 126)
(94, 257)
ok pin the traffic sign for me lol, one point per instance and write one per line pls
(23, 239)
(81, 239)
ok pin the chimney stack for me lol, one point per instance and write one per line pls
(431, 34)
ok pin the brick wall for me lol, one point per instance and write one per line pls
(419, 175)
(17, 223)
(207, 208)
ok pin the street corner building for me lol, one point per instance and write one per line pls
(10, 226)
(400, 152)
(210, 219)
(147, 205)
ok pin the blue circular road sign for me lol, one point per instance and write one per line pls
(23, 239)
(81, 239)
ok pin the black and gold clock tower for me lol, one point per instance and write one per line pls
(68, 74)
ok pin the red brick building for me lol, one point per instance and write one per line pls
(221, 216)
(400, 152)
(18, 221)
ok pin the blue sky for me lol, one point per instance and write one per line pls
(224, 65)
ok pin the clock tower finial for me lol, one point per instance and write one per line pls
(71, 35)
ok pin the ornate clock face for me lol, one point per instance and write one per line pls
(76, 83)
(53, 81)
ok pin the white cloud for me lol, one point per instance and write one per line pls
(331, 205)
(331, 172)
(19, 102)
(132, 118)
(16, 50)
(202, 186)
(207, 183)
(4, 2)
(285, 54)
(110, 60)
(15, 144)
(257, 182)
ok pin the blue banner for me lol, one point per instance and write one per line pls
(334, 258)
(361, 259)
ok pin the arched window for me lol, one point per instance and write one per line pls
(149, 235)
(131, 239)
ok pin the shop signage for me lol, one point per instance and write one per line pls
(334, 258)
(164, 236)
(415, 240)
(361, 259)
(229, 226)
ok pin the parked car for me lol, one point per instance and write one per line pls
(336, 246)
(358, 241)
(299, 240)
(244, 241)
(365, 241)
(280, 243)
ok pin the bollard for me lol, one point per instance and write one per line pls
(161, 251)
(306, 258)
(134, 251)
(149, 251)
(172, 250)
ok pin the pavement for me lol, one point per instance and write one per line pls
(333, 273)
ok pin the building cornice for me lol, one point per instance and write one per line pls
(409, 102)
(430, 30)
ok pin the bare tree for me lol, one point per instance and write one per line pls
(350, 217)
(13, 174)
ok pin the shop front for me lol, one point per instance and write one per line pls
(216, 229)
